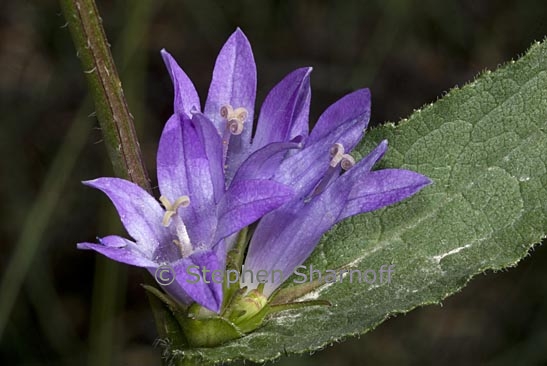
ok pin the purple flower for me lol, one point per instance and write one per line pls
(198, 211)
(285, 237)
(231, 99)
(215, 178)
(198, 156)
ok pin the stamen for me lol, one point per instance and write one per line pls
(171, 209)
(183, 201)
(166, 221)
(165, 202)
(347, 162)
(337, 154)
(226, 110)
(229, 113)
(170, 217)
(322, 185)
(183, 243)
(235, 119)
(234, 126)
(338, 157)
(241, 114)
(184, 251)
(337, 149)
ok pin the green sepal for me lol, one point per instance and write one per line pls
(284, 295)
(242, 311)
(297, 305)
(204, 328)
(234, 261)
(210, 332)
(195, 326)
(250, 324)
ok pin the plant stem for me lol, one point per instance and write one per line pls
(113, 114)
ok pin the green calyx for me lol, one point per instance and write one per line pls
(243, 310)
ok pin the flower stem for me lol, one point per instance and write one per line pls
(113, 114)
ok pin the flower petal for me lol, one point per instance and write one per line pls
(285, 237)
(184, 170)
(186, 96)
(354, 107)
(285, 111)
(248, 200)
(201, 288)
(233, 83)
(367, 163)
(120, 250)
(139, 212)
(199, 180)
(213, 149)
(170, 160)
(381, 188)
(262, 164)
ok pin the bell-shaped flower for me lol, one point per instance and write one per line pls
(198, 211)
(285, 237)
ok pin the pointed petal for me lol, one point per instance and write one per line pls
(353, 108)
(139, 212)
(285, 111)
(262, 164)
(184, 169)
(248, 200)
(213, 150)
(120, 250)
(170, 160)
(381, 188)
(234, 82)
(199, 180)
(367, 163)
(201, 288)
(186, 96)
(284, 238)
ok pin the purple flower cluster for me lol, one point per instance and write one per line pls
(215, 177)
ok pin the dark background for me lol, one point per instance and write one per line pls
(73, 307)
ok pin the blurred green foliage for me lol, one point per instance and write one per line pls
(74, 307)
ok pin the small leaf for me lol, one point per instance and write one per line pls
(484, 147)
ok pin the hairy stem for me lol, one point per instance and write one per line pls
(113, 114)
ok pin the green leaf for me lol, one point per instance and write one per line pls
(484, 147)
